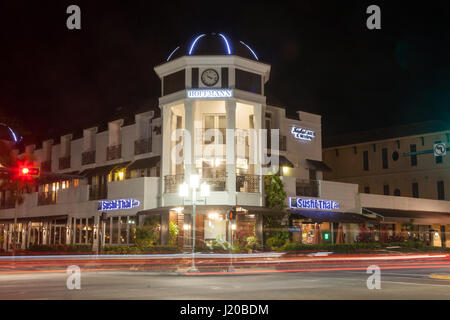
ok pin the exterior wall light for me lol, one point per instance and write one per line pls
(120, 173)
(233, 226)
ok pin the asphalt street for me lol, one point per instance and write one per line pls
(345, 284)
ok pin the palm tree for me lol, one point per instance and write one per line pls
(12, 182)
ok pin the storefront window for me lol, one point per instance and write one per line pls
(214, 227)
(115, 230)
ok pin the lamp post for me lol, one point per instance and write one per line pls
(194, 184)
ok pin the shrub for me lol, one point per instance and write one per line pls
(146, 236)
(173, 232)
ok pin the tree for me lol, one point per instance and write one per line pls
(275, 194)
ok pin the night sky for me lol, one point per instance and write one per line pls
(324, 59)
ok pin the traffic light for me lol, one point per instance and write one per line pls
(231, 215)
(29, 172)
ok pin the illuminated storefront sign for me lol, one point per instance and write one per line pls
(119, 204)
(305, 203)
(210, 93)
(302, 134)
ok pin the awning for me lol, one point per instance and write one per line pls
(144, 163)
(103, 170)
(331, 216)
(49, 177)
(282, 162)
(419, 217)
(318, 165)
(209, 208)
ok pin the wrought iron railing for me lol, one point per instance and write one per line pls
(218, 182)
(46, 198)
(307, 188)
(64, 163)
(98, 192)
(88, 157)
(7, 204)
(114, 152)
(248, 183)
(171, 182)
(142, 146)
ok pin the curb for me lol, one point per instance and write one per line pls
(440, 276)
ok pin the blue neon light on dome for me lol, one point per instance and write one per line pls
(194, 42)
(254, 54)
(14, 135)
(226, 42)
(170, 55)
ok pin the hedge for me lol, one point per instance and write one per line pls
(60, 248)
(140, 250)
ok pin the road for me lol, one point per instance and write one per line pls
(297, 278)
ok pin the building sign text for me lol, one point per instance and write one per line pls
(210, 93)
(304, 203)
(119, 204)
(302, 134)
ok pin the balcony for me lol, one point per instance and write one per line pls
(171, 182)
(88, 157)
(248, 183)
(46, 166)
(7, 204)
(98, 192)
(217, 182)
(308, 188)
(142, 146)
(64, 163)
(114, 152)
(46, 198)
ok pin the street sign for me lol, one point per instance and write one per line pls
(439, 149)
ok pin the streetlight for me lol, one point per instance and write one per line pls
(194, 184)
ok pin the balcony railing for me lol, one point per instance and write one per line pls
(64, 163)
(88, 157)
(171, 182)
(46, 166)
(114, 152)
(7, 204)
(142, 146)
(217, 183)
(308, 188)
(98, 192)
(282, 143)
(46, 198)
(248, 183)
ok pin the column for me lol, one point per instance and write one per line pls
(44, 233)
(230, 106)
(28, 235)
(165, 228)
(68, 230)
(24, 235)
(5, 237)
(259, 225)
(258, 115)
(95, 233)
(188, 141)
(166, 146)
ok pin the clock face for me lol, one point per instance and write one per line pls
(210, 77)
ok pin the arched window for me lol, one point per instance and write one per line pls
(397, 192)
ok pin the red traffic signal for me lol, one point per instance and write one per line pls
(231, 215)
(29, 172)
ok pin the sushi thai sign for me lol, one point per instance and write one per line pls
(120, 204)
(302, 133)
(314, 204)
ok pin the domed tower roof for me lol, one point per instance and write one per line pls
(7, 134)
(213, 44)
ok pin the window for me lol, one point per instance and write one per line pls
(386, 189)
(440, 190)
(384, 157)
(194, 78)
(395, 155)
(224, 72)
(397, 192)
(438, 159)
(218, 126)
(174, 82)
(366, 189)
(366, 160)
(248, 81)
(415, 190)
(412, 148)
